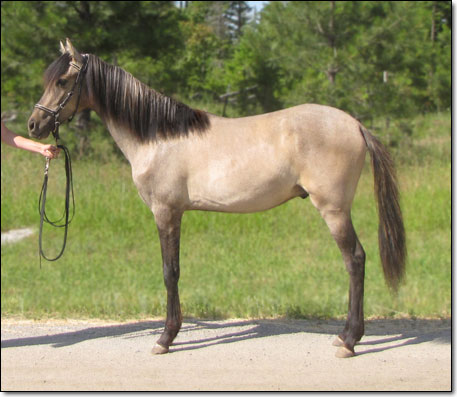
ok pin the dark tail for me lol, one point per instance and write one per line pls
(391, 233)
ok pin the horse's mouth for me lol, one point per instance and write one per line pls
(39, 132)
(43, 134)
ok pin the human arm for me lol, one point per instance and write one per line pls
(14, 140)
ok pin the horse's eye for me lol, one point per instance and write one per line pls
(61, 83)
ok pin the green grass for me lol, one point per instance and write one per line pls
(282, 262)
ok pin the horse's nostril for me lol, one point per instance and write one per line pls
(31, 126)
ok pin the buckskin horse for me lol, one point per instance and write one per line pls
(186, 159)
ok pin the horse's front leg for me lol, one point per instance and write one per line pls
(169, 226)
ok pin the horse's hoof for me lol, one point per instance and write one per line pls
(344, 352)
(159, 349)
(338, 342)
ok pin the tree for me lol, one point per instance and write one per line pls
(237, 15)
(330, 52)
(210, 31)
(337, 53)
(127, 30)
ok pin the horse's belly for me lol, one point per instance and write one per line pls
(243, 195)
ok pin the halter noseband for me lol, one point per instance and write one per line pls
(79, 79)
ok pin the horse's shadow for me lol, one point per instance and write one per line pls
(392, 333)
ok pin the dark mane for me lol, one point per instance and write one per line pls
(145, 112)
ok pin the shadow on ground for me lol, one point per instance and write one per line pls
(395, 333)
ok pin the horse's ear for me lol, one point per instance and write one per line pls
(62, 48)
(73, 52)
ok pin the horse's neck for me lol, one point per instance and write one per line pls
(122, 136)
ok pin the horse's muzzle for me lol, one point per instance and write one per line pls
(38, 130)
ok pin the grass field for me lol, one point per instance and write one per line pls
(282, 262)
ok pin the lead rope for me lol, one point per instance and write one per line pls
(68, 171)
(69, 196)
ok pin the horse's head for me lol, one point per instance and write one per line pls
(64, 95)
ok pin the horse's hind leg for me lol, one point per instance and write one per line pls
(169, 226)
(342, 230)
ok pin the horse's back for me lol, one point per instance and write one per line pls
(311, 127)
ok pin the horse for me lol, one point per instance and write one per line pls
(186, 159)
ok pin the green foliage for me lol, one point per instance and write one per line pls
(31, 31)
(198, 60)
(371, 58)
(237, 15)
(337, 53)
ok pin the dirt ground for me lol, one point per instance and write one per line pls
(224, 355)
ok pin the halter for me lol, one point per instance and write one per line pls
(78, 82)
(68, 171)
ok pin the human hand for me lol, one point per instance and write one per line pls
(49, 151)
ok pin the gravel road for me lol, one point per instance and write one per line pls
(224, 355)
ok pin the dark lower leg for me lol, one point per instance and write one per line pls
(354, 328)
(343, 232)
(173, 321)
(169, 234)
